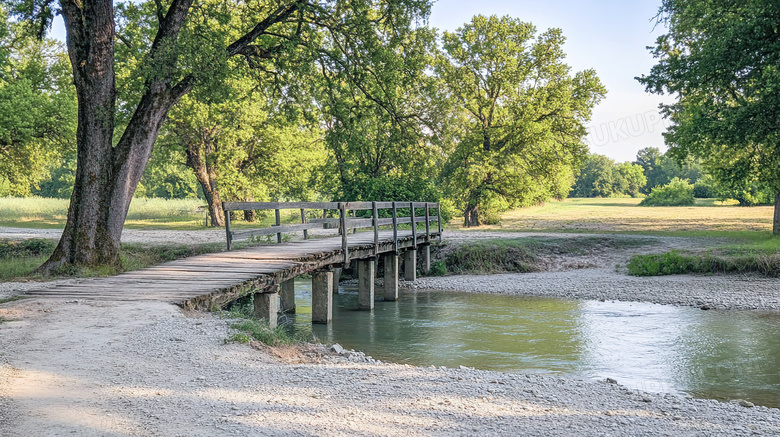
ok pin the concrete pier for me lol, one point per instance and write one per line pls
(336, 277)
(425, 255)
(287, 296)
(410, 265)
(366, 274)
(390, 261)
(322, 296)
(267, 307)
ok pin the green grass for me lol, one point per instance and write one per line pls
(250, 329)
(20, 259)
(152, 213)
(10, 299)
(707, 217)
(747, 253)
(675, 263)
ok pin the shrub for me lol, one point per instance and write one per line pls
(676, 193)
(704, 189)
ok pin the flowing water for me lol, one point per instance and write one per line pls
(656, 348)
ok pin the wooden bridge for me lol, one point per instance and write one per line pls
(212, 280)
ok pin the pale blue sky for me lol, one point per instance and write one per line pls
(609, 36)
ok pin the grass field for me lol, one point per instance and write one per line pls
(707, 217)
(145, 213)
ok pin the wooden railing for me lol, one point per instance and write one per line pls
(343, 222)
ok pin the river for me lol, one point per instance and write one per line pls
(657, 348)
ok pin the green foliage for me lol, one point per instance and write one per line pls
(660, 169)
(676, 193)
(438, 268)
(705, 188)
(23, 248)
(601, 177)
(37, 108)
(249, 329)
(520, 129)
(722, 59)
(167, 176)
(674, 263)
(492, 256)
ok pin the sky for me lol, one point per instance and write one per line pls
(609, 36)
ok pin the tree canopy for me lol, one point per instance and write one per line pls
(37, 108)
(721, 59)
(520, 133)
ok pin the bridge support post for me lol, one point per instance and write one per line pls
(322, 296)
(287, 296)
(267, 307)
(391, 276)
(425, 254)
(336, 277)
(410, 265)
(366, 274)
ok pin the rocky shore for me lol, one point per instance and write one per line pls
(147, 369)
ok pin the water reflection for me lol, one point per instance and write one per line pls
(724, 355)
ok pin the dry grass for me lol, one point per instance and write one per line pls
(623, 215)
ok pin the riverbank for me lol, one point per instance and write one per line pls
(148, 369)
(723, 292)
(93, 368)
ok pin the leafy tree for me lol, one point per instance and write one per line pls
(384, 133)
(242, 148)
(186, 47)
(601, 177)
(521, 127)
(722, 59)
(660, 168)
(629, 179)
(596, 178)
(167, 175)
(37, 108)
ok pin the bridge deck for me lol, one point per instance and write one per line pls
(211, 280)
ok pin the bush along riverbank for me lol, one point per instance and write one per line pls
(676, 263)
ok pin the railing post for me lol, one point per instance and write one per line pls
(228, 234)
(414, 226)
(343, 218)
(354, 215)
(375, 214)
(278, 223)
(303, 221)
(427, 224)
(395, 229)
(438, 217)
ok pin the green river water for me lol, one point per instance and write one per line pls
(656, 348)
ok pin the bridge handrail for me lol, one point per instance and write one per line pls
(343, 222)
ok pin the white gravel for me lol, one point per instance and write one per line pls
(146, 369)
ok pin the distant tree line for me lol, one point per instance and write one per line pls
(600, 176)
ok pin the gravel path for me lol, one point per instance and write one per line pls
(70, 367)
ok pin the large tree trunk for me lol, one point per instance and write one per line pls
(776, 221)
(471, 216)
(107, 175)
